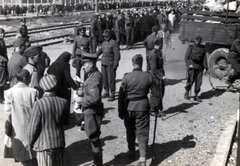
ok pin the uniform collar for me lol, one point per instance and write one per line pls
(137, 69)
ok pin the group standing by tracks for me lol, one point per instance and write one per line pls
(47, 98)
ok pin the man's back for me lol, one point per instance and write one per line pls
(46, 126)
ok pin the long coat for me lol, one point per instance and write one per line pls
(18, 103)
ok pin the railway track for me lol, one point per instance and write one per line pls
(45, 41)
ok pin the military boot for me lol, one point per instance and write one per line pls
(196, 98)
(105, 94)
(112, 97)
(186, 95)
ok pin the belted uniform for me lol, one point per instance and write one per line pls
(81, 43)
(195, 56)
(110, 59)
(93, 110)
(133, 106)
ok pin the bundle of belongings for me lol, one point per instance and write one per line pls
(221, 6)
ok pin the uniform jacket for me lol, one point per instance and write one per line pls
(46, 124)
(16, 63)
(92, 90)
(129, 22)
(43, 63)
(135, 88)
(198, 50)
(156, 63)
(23, 31)
(234, 55)
(19, 101)
(149, 42)
(111, 53)
(81, 43)
(119, 26)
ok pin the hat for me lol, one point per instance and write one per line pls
(107, 32)
(137, 59)
(157, 42)
(19, 42)
(48, 82)
(89, 58)
(154, 28)
(22, 73)
(23, 20)
(82, 29)
(198, 38)
(2, 30)
(32, 51)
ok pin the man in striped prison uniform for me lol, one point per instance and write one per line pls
(46, 133)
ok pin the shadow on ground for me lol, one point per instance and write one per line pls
(161, 152)
(80, 152)
(211, 93)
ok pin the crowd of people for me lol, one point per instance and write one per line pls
(37, 100)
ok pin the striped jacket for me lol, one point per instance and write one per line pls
(46, 124)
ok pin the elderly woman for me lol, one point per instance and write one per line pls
(61, 70)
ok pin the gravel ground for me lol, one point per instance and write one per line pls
(188, 135)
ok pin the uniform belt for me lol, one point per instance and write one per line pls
(138, 98)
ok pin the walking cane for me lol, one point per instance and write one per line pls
(154, 135)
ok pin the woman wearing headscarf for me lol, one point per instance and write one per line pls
(60, 68)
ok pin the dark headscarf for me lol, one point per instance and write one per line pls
(64, 57)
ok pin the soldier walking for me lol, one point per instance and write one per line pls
(133, 107)
(196, 62)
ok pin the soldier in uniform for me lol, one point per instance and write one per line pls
(196, 62)
(81, 42)
(110, 59)
(23, 30)
(156, 67)
(133, 107)
(129, 27)
(149, 44)
(93, 106)
(234, 59)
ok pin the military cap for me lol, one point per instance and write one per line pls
(155, 28)
(137, 59)
(22, 73)
(23, 20)
(32, 51)
(157, 42)
(48, 82)
(2, 30)
(89, 58)
(19, 42)
(107, 32)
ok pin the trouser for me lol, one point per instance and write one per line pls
(137, 124)
(118, 38)
(78, 65)
(109, 76)
(129, 37)
(51, 157)
(194, 76)
(147, 59)
(94, 43)
(1, 93)
(32, 162)
(93, 131)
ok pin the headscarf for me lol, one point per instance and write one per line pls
(64, 57)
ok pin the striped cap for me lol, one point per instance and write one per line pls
(48, 82)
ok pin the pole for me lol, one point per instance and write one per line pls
(238, 149)
(154, 135)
